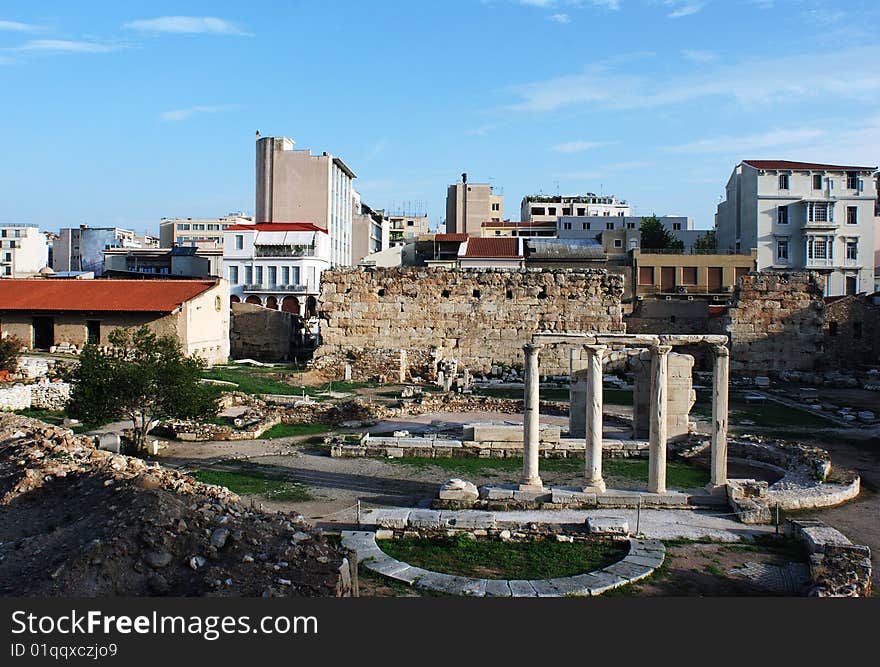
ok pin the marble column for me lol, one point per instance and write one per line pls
(657, 438)
(593, 454)
(531, 481)
(720, 381)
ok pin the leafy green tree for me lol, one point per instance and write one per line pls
(707, 241)
(144, 378)
(10, 350)
(656, 237)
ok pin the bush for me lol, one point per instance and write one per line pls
(10, 350)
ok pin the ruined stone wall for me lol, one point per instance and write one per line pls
(775, 323)
(260, 333)
(479, 316)
(851, 326)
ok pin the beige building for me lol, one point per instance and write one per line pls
(468, 205)
(403, 227)
(492, 228)
(656, 273)
(294, 186)
(24, 250)
(803, 216)
(370, 230)
(45, 312)
(201, 232)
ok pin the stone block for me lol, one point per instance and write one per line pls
(607, 525)
(521, 588)
(421, 519)
(459, 489)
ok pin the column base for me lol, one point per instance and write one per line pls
(532, 485)
(596, 487)
(716, 489)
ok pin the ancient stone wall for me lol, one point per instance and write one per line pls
(851, 326)
(775, 323)
(260, 333)
(479, 316)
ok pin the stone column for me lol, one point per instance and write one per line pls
(657, 438)
(401, 374)
(719, 418)
(593, 454)
(531, 481)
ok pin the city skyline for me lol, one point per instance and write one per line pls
(154, 112)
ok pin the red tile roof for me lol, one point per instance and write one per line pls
(451, 238)
(788, 164)
(151, 296)
(507, 246)
(278, 227)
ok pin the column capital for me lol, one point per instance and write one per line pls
(598, 350)
(533, 348)
(720, 351)
(661, 349)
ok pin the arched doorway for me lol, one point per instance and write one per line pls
(272, 302)
(290, 305)
(254, 300)
(311, 307)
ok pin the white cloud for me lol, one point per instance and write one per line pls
(683, 9)
(698, 56)
(578, 146)
(481, 131)
(65, 46)
(187, 25)
(15, 26)
(183, 114)
(754, 143)
(560, 18)
(749, 83)
(548, 4)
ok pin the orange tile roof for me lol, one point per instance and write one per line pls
(493, 247)
(57, 294)
(451, 238)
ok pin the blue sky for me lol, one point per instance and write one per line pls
(120, 113)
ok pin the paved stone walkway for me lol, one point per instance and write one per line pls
(643, 558)
(787, 579)
(653, 524)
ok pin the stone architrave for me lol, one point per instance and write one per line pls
(720, 380)
(531, 480)
(593, 453)
(657, 437)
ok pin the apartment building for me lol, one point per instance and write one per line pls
(276, 265)
(182, 261)
(82, 248)
(294, 185)
(403, 227)
(24, 251)
(656, 273)
(546, 208)
(491, 228)
(202, 232)
(803, 215)
(370, 229)
(468, 205)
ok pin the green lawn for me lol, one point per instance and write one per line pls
(289, 430)
(679, 474)
(776, 414)
(494, 559)
(254, 484)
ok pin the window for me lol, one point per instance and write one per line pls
(852, 249)
(239, 241)
(566, 211)
(538, 210)
(566, 225)
(285, 275)
(817, 181)
(273, 275)
(689, 275)
(608, 213)
(618, 243)
(630, 225)
(852, 180)
(852, 215)
(676, 226)
(646, 275)
(782, 250)
(782, 215)
(588, 225)
(496, 207)
(294, 271)
(819, 212)
(783, 181)
(259, 275)
(585, 225)
(818, 249)
(551, 210)
(248, 275)
(233, 275)
(183, 227)
(609, 225)
(410, 223)
(582, 211)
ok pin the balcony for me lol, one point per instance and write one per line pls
(283, 251)
(262, 289)
(819, 263)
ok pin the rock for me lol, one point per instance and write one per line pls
(219, 537)
(157, 559)
(195, 562)
(459, 489)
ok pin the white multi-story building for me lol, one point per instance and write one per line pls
(803, 216)
(549, 208)
(23, 251)
(296, 186)
(276, 265)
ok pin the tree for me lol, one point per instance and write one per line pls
(656, 237)
(10, 350)
(145, 378)
(707, 241)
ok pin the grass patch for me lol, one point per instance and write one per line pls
(679, 474)
(290, 430)
(493, 559)
(776, 414)
(254, 485)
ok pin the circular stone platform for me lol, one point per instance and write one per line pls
(643, 558)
